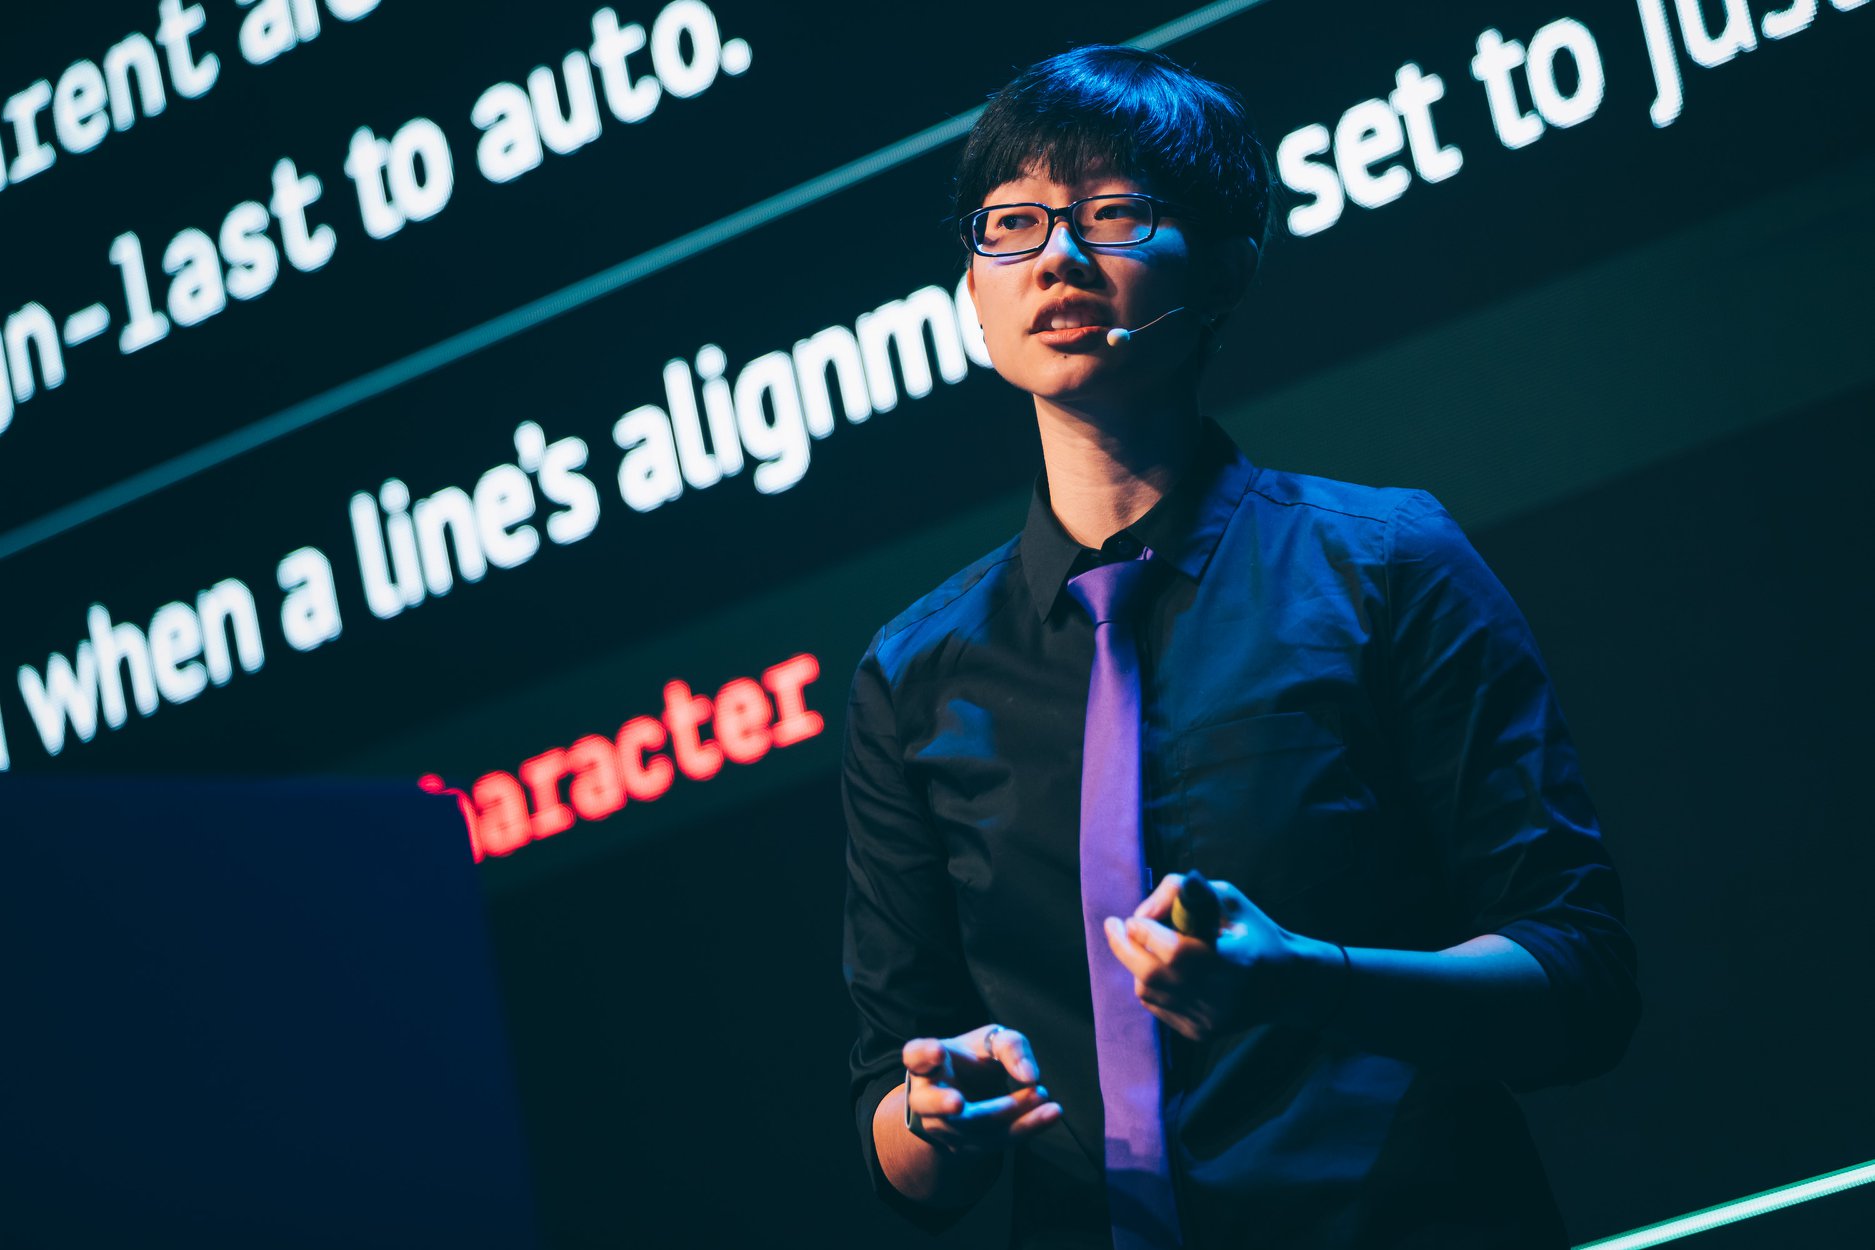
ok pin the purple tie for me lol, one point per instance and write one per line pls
(1113, 881)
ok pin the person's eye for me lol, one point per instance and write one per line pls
(1122, 210)
(1014, 219)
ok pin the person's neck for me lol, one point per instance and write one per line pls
(1106, 469)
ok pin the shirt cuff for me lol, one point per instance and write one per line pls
(1593, 987)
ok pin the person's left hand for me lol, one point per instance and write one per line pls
(1201, 988)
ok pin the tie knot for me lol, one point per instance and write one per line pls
(1110, 591)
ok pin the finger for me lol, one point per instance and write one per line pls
(931, 1099)
(980, 1047)
(1011, 1048)
(1184, 1026)
(927, 1056)
(938, 1129)
(1035, 1121)
(1137, 960)
(1152, 995)
(1158, 904)
(1162, 942)
(1006, 1108)
(987, 1138)
(984, 1124)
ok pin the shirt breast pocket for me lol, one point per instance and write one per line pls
(1270, 803)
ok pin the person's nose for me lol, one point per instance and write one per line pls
(1062, 258)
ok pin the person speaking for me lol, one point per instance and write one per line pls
(1217, 851)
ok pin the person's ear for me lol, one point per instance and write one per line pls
(1235, 263)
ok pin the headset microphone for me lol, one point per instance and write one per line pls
(1120, 334)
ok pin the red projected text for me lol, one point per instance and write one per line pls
(596, 776)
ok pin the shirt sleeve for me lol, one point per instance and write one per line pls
(1490, 762)
(902, 954)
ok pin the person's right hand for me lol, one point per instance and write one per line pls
(956, 1085)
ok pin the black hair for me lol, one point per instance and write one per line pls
(1137, 113)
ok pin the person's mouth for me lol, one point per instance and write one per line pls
(1071, 321)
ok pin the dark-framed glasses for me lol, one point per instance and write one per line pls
(1099, 220)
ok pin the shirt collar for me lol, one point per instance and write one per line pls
(1183, 528)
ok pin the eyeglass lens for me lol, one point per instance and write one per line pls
(1006, 228)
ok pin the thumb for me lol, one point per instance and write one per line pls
(1158, 904)
(928, 1057)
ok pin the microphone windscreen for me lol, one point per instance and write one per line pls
(1117, 336)
(1195, 909)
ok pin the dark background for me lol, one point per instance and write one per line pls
(1633, 361)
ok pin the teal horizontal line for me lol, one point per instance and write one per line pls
(1738, 1209)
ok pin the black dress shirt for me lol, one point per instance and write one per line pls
(1347, 718)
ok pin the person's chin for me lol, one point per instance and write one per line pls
(1066, 390)
(1091, 399)
(1069, 370)
(1080, 382)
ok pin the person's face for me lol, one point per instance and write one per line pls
(1092, 289)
